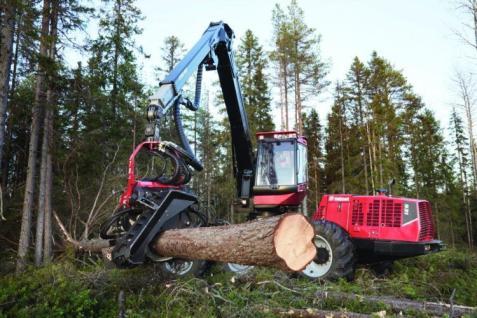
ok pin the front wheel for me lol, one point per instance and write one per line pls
(334, 253)
(237, 269)
(176, 268)
(173, 268)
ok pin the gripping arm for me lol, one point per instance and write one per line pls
(214, 51)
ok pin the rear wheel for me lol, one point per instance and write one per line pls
(334, 253)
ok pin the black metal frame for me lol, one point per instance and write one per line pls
(371, 250)
(214, 51)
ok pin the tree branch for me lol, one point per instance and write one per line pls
(94, 245)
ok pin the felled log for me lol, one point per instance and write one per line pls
(397, 304)
(283, 241)
(310, 313)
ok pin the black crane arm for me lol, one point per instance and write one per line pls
(214, 52)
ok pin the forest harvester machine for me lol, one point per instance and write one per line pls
(273, 180)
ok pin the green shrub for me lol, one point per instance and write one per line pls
(69, 289)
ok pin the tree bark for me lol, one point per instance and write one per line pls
(46, 160)
(48, 231)
(283, 241)
(116, 41)
(40, 220)
(6, 49)
(285, 92)
(343, 183)
(24, 240)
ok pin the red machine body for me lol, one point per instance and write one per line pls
(381, 226)
(140, 181)
(378, 217)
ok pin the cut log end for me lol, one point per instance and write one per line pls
(293, 241)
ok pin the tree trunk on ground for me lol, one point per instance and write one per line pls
(283, 241)
(398, 305)
(94, 245)
(24, 240)
(310, 313)
(6, 49)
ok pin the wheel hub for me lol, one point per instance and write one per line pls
(322, 255)
(323, 260)
(178, 267)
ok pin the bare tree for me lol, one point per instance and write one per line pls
(469, 7)
(466, 87)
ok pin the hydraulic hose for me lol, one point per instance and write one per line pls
(198, 87)
(181, 173)
(183, 138)
(178, 119)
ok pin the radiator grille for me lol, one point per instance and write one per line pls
(357, 216)
(391, 214)
(373, 213)
(427, 232)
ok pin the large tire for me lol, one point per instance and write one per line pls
(173, 268)
(334, 253)
(237, 269)
(177, 268)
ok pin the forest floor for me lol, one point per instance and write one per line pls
(73, 287)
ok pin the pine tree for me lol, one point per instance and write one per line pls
(313, 131)
(69, 14)
(297, 53)
(113, 64)
(172, 51)
(251, 62)
(38, 109)
(356, 88)
(8, 13)
(460, 143)
(387, 87)
(336, 145)
(281, 56)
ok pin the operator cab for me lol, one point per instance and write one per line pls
(281, 177)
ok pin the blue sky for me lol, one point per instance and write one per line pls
(416, 36)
